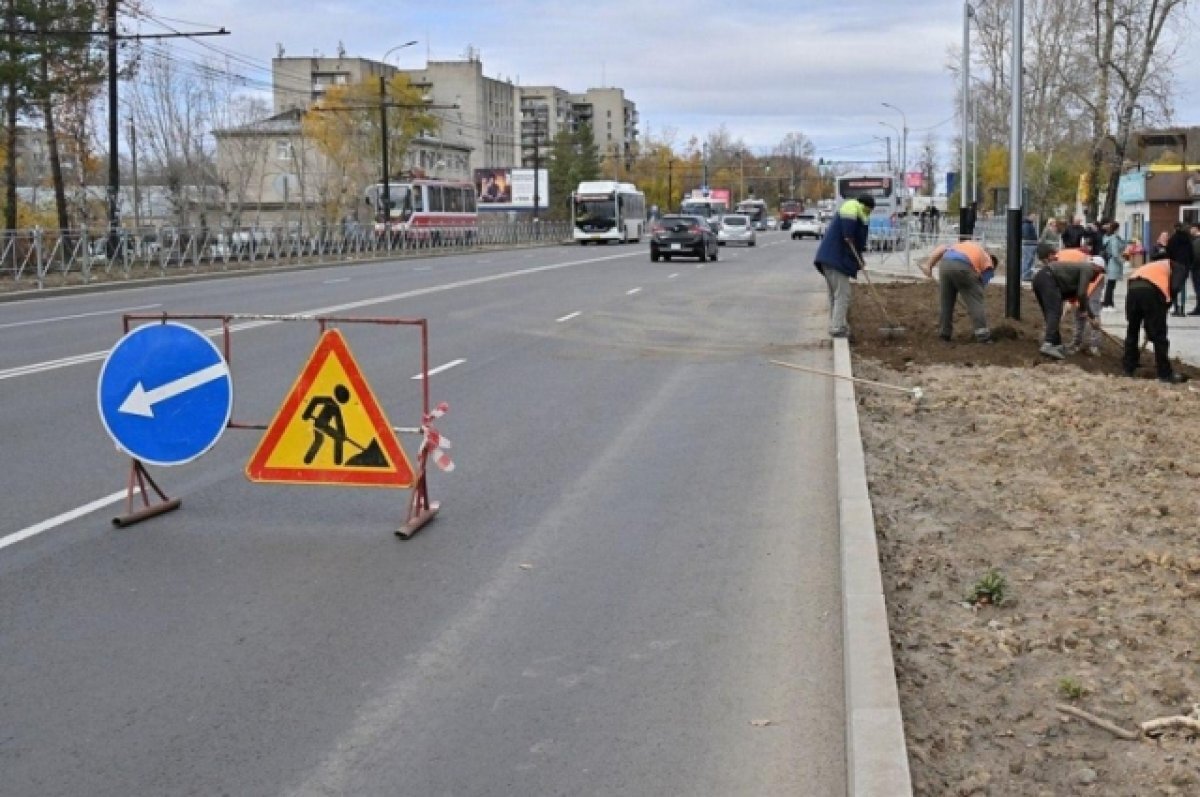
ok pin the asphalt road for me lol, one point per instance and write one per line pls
(631, 589)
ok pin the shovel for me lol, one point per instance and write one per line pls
(892, 329)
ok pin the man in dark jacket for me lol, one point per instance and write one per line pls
(1179, 250)
(1057, 283)
(1196, 267)
(1029, 241)
(1073, 235)
(839, 257)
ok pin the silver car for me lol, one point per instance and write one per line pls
(736, 229)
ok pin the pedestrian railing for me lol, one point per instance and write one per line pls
(37, 258)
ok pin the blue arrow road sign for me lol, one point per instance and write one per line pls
(165, 394)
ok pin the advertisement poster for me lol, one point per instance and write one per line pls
(510, 189)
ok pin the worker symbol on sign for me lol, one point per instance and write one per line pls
(325, 412)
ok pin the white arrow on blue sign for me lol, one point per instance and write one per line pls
(165, 393)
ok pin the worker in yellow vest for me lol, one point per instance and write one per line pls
(1148, 295)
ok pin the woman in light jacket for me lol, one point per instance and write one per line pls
(1114, 260)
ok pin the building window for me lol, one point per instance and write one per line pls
(284, 150)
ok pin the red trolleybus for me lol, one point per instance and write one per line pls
(423, 208)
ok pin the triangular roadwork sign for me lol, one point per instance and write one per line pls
(330, 429)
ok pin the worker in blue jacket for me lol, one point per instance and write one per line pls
(839, 257)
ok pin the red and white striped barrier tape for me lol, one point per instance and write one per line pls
(434, 444)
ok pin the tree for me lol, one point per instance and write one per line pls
(345, 127)
(574, 158)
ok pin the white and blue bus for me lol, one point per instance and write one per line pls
(885, 218)
(606, 210)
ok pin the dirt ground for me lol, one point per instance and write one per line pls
(1078, 489)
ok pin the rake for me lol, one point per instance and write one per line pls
(892, 329)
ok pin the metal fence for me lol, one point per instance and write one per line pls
(37, 258)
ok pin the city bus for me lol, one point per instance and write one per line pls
(710, 205)
(756, 209)
(426, 209)
(606, 210)
(885, 218)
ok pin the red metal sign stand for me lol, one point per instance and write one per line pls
(421, 509)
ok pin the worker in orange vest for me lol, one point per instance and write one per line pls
(964, 268)
(1148, 295)
(1072, 276)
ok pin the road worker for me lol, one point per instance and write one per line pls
(1148, 295)
(964, 268)
(1073, 275)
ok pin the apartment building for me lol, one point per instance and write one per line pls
(613, 119)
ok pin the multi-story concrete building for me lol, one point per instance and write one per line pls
(613, 119)
(543, 111)
(484, 120)
(298, 82)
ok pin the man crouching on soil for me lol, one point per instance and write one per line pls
(1058, 282)
(963, 269)
(1147, 298)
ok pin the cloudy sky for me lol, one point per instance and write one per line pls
(819, 67)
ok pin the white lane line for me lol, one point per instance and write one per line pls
(672, 276)
(80, 359)
(569, 316)
(58, 520)
(335, 281)
(78, 315)
(699, 265)
(422, 268)
(632, 292)
(337, 308)
(440, 368)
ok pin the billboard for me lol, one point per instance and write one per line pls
(507, 188)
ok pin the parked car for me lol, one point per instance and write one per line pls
(679, 235)
(736, 229)
(807, 225)
(772, 222)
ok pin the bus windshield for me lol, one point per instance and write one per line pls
(600, 214)
(705, 208)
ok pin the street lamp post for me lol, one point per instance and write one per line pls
(964, 210)
(889, 144)
(904, 180)
(383, 132)
(1016, 177)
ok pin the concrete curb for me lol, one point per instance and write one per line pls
(876, 753)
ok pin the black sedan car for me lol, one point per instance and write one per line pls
(683, 236)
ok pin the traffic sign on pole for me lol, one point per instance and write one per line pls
(165, 394)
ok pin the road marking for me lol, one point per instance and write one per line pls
(699, 265)
(58, 520)
(672, 276)
(77, 315)
(80, 359)
(441, 368)
(568, 317)
(633, 291)
(335, 281)
(422, 268)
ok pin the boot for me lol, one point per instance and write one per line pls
(1195, 310)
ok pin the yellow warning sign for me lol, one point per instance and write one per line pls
(330, 429)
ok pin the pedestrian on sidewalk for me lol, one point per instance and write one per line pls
(1051, 234)
(1071, 276)
(1114, 260)
(964, 268)
(1147, 298)
(1029, 242)
(839, 257)
(1195, 231)
(1179, 250)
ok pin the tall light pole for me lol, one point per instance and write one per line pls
(964, 211)
(904, 180)
(1016, 163)
(383, 132)
(889, 140)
